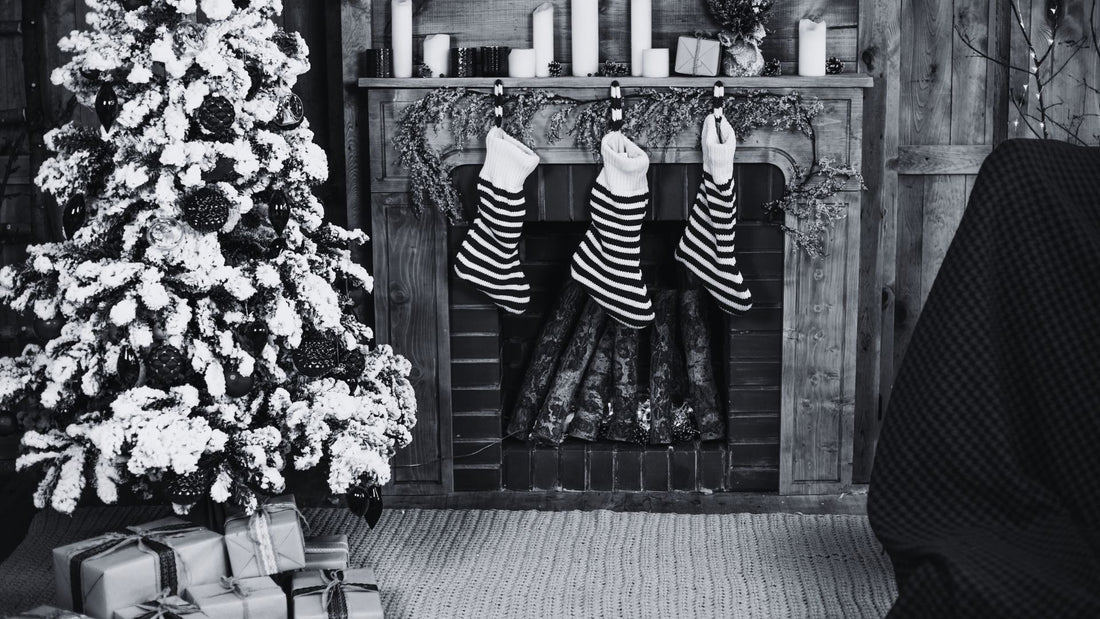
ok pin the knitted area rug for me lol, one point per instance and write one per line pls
(473, 563)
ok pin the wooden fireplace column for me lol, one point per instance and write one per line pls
(820, 298)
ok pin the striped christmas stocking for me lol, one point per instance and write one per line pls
(608, 261)
(489, 256)
(708, 242)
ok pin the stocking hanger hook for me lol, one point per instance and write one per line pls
(498, 103)
(616, 106)
(718, 102)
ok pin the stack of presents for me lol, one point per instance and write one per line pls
(262, 568)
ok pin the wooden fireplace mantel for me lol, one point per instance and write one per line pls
(819, 298)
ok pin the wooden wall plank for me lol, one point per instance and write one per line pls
(944, 202)
(962, 158)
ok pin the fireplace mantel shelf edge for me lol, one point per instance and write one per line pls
(844, 80)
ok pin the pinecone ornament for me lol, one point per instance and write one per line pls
(206, 210)
(166, 365)
(216, 116)
(351, 366)
(188, 489)
(316, 355)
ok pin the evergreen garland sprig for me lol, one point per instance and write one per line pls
(653, 117)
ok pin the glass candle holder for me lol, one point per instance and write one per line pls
(379, 62)
(465, 62)
(494, 61)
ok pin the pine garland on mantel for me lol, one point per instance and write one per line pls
(655, 117)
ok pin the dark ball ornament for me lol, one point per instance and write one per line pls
(74, 215)
(278, 210)
(256, 332)
(46, 330)
(107, 106)
(128, 367)
(366, 503)
(351, 366)
(206, 210)
(216, 116)
(237, 386)
(133, 5)
(9, 423)
(166, 364)
(316, 355)
(188, 489)
(833, 66)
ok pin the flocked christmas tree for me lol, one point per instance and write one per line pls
(197, 332)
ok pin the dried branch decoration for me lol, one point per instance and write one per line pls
(657, 116)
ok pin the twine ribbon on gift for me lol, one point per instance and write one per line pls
(259, 531)
(334, 591)
(698, 48)
(166, 608)
(146, 540)
(234, 586)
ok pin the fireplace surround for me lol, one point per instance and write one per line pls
(794, 437)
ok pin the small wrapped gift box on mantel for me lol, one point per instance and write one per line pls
(327, 552)
(270, 541)
(116, 570)
(240, 598)
(698, 55)
(336, 594)
(163, 607)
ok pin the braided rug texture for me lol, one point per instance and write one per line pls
(480, 563)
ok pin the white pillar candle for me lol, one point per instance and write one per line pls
(437, 53)
(401, 33)
(543, 26)
(641, 33)
(521, 63)
(655, 62)
(586, 37)
(811, 47)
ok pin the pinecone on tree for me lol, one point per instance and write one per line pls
(166, 365)
(188, 489)
(316, 355)
(216, 116)
(351, 366)
(206, 210)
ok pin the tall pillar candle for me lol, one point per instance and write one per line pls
(401, 31)
(521, 63)
(811, 48)
(543, 31)
(586, 37)
(437, 54)
(641, 32)
(655, 62)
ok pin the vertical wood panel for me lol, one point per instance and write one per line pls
(944, 201)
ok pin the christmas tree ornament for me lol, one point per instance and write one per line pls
(374, 506)
(256, 80)
(107, 106)
(242, 4)
(76, 211)
(166, 364)
(133, 5)
(164, 233)
(206, 210)
(128, 367)
(358, 502)
(291, 112)
(216, 116)
(188, 489)
(833, 66)
(256, 332)
(236, 385)
(278, 211)
(9, 423)
(351, 366)
(316, 355)
(47, 330)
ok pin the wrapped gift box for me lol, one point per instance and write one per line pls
(698, 56)
(327, 552)
(268, 542)
(116, 570)
(240, 598)
(351, 594)
(50, 612)
(163, 607)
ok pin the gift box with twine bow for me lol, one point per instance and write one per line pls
(336, 594)
(116, 570)
(164, 606)
(240, 598)
(698, 55)
(267, 542)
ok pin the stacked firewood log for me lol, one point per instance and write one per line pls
(593, 379)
